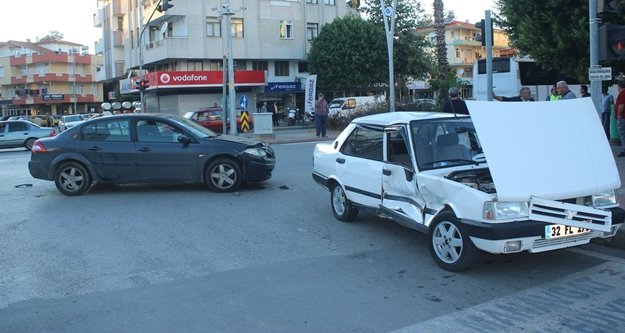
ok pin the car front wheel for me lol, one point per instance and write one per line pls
(72, 178)
(341, 206)
(223, 175)
(449, 245)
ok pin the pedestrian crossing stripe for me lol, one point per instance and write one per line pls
(245, 122)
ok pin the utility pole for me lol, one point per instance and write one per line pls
(489, 55)
(141, 92)
(390, 32)
(74, 50)
(227, 12)
(595, 86)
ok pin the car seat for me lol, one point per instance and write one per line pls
(448, 148)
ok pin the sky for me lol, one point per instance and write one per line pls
(29, 19)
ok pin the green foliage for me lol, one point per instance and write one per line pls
(409, 14)
(348, 54)
(552, 32)
(339, 123)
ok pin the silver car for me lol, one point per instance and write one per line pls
(20, 133)
(70, 121)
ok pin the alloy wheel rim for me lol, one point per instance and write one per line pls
(447, 242)
(71, 179)
(223, 176)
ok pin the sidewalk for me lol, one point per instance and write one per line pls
(292, 134)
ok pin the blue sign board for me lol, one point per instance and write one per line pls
(243, 102)
(283, 86)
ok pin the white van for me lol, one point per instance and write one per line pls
(343, 106)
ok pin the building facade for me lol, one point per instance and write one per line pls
(463, 48)
(50, 75)
(182, 50)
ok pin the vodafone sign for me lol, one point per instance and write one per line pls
(205, 78)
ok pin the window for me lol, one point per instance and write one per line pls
(237, 28)
(364, 143)
(312, 31)
(120, 23)
(156, 131)
(286, 29)
(240, 65)
(260, 65)
(213, 27)
(194, 65)
(329, 2)
(281, 68)
(312, 1)
(214, 65)
(302, 67)
(107, 130)
(17, 127)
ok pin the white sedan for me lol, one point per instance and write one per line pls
(70, 121)
(549, 182)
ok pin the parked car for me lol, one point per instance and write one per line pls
(344, 106)
(211, 118)
(148, 148)
(70, 121)
(549, 182)
(21, 133)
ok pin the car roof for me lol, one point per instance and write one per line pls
(401, 117)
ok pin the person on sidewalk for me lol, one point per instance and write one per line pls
(525, 95)
(321, 115)
(564, 91)
(275, 116)
(455, 104)
(607, 100)
(619, 111)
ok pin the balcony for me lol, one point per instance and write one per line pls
(98, 18)
(466, 42)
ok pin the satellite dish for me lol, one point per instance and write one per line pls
(117, 105)
(164, 27)
(106, 106)
(126, 105)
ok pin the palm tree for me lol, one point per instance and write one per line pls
(441, 47)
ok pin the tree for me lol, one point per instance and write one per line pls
(441, 81)
(348, 54)
(411, 60)
(552, 32)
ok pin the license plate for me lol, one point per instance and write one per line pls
(559, 230)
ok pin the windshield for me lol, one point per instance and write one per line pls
(445, 142)
(336, 103)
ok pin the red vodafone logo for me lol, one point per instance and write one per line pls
(165, 78)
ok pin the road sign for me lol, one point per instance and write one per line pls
(245, 119)
(600, 73)
(388, 11)
(243, 102)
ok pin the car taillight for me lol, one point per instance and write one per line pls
(52, 133)
(38, 147)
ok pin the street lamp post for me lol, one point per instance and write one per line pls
(390, 31)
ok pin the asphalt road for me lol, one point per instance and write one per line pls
(270, 258)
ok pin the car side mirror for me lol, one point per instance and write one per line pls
(184, 140)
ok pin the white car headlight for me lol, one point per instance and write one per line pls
(257, 152)
(496, 210)
(607, 198)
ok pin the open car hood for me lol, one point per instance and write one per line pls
(553, 150)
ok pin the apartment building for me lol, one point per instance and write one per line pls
(50, 75)
(183, 49)
(463, 49)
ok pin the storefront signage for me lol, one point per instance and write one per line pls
(53, 97)
(283, 86)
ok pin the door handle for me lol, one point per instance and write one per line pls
(386, 172)
(94, 148)
(145, 150)
(340, 160)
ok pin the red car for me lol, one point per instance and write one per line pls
(211, 118)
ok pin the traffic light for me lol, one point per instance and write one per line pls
(164, 6)
(611, 42)
(482, 36)
(354, 4)
(142, 85)
(610, 6)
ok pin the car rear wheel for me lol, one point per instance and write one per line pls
(449, 245)
(28, 144)
(223, 175)
(341, 206)
(72, 178)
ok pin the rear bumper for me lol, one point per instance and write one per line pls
(37, 170)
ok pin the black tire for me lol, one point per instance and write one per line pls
(342, 208)
(449, 245)
(28, 144)
(223, 175)
(72, 179)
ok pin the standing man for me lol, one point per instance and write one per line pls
(583, 91)
(274, 109)
(263, 108)
(619, 111)
(455, 104)
(525, 95)
(564, 91)
(606, 108)
(321, 115)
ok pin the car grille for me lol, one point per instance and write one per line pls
(570, 214)
(543, 244)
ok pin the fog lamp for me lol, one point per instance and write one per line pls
(512, 246)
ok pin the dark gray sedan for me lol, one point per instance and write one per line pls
(21, 133)
(148, 148)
